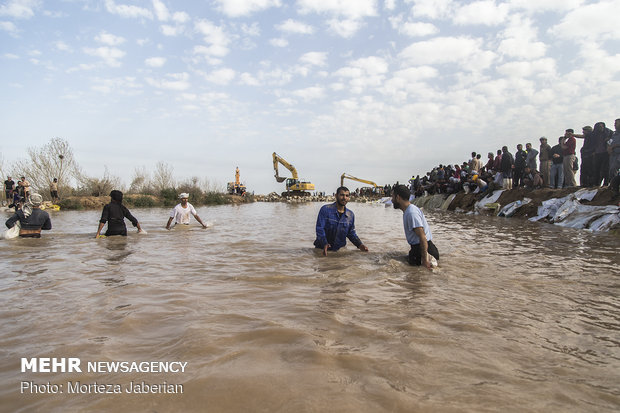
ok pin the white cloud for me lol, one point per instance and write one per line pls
(278, 42)
(81, 67)
(168, 30)
(415, 74)
(19, 9)
(9, 27)
(123, 85)
(110, 55)
(389, 4)
(344, 28)
(10, 56)
(522, 49)
(155, 61)
(351, 9)
(414, 29)
(597, 21)
(465, 51)
(251, 29)
(277, 77)
(410, 82)
(109, 39)
(180, 17)
(238, 8)
(371, 65)
(527, 69)
(310, 93)
(62, 46)
(249, 80)
(364, 73)
(557, 6)
(520, 40)
(314, 58)
(127, 11)
(55, 14)
(294, 26)
(161, 11)
(484, 12)
(433, 9)
(173, 81)
(346, 15)
(215, 38)
(221, 76)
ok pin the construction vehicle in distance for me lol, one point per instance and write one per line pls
(236, 188)
(294, 185)
(375, 190)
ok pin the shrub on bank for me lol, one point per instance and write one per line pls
(214, 198)
(140, 201)
(70, 204)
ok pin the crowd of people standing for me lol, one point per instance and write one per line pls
(549, 166)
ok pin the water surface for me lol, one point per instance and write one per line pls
(519, 315)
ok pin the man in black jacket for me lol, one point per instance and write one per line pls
(506, 167)
(114, 214)
(31, 218)
(520, 158)
(556, 180)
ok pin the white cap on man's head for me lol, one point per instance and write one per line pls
(35, 200)
(184, 195)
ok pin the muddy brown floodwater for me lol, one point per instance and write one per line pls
(519, 316)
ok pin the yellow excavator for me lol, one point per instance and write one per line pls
(294, 185)
(236, 187)
(376, 188)
(351, 177)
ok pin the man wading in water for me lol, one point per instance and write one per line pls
(114, 214)
(31, 218)
(417, 231)
(335, 224)
(181, 212)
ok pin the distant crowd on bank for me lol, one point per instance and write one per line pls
(549, 166)
(18, 193)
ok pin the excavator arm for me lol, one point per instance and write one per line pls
(276, 160)
(351, 177)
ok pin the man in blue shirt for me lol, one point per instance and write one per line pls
(417, 231)
(335, 224)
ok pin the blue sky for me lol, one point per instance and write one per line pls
(380, 89)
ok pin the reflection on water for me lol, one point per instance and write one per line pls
(519, 315)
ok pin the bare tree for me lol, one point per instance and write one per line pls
(209, 185)
(162, 178)
(53, 160)
(2, 170)
(99, 186)
(140, 182)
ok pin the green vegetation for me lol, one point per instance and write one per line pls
(215, 198)
(70, 204)
(140, 201)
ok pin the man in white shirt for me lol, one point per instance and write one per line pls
(417, 231)
(181, 213)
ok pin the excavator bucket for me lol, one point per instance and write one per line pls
(280, 179)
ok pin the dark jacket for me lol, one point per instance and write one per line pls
(520, 158)
(37, 220)
(114, 214)
(507, 162)
(557, 149)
